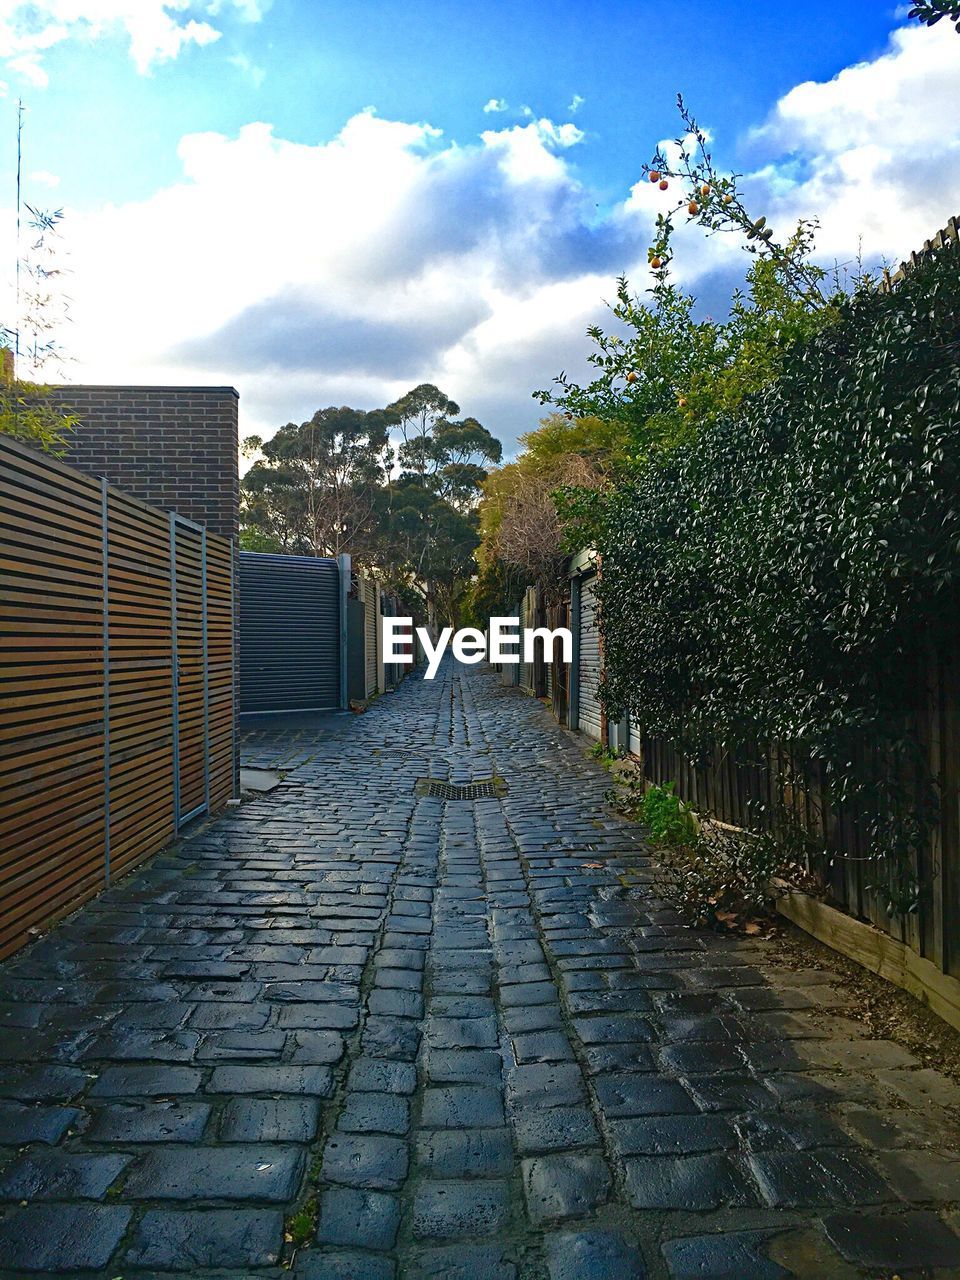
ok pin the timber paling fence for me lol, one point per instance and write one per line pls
(778, 785)
(116, 670)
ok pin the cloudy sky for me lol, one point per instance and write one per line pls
(320, 201)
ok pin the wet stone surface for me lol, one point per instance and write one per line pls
(351, 1032)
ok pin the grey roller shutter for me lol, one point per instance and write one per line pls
(289, 633)
(527, 620)
(368, 593)
(589, 660)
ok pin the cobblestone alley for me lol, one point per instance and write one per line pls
(456, 1039)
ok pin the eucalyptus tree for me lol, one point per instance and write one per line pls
(316, 487)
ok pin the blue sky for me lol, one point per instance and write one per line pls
(309, 201)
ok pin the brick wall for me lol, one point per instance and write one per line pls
(174, 447)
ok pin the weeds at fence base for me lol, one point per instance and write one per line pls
(712, 876)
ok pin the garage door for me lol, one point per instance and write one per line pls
(289, 633)
(589, 660)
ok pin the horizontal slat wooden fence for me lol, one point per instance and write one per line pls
(88, 607)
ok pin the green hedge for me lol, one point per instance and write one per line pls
(774, 579)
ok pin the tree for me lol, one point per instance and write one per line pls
(520, 524)
(418, 413)
(427, 545)
(665, 372)
(446, 455)
(315, 491)
(431, 505)
(531, 537)
(930, 12)
(341, 482)
(27, 409)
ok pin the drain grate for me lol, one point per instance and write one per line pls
(488, 789)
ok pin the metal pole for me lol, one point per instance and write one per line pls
(206, 670)
(175, 672)
(343, 563)
(234, 672)
(105, 569)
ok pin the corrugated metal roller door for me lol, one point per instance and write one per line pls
(589, 660)
(390, 669)
(289, 633)
(527, 619)
(368, 594)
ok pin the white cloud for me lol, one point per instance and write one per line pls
(494, 105)
(157, 30)
(874, 152)
(249, 69)
(44, 178)
(529, 150)
(576, 102)
(349, 270)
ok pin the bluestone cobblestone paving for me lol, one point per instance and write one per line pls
(347, 1031)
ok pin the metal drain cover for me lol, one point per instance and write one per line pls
(487, 789)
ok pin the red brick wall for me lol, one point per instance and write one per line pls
(174, 447)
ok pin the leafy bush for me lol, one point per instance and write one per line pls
(709, 874)
(27, 412)
(780, 578)
(666, 817)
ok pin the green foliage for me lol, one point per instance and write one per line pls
(448, 457)
(314, 491)
(723, 879)
(492, 593)
(27, 412)
(600, 751)
(253, 539)
(344, 482)
(663, 372)
(778, 579)
(930, 12)
(300, 1226)
(712, 876)
(665, 815)
(426, 540)
(598, 441)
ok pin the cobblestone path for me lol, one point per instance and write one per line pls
(466, 1028)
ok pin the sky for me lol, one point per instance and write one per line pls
(323, 202)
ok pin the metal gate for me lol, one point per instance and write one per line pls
(589, 672)
(292, 632)
(191, 693)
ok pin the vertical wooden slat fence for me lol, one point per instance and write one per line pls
(99, 731)
(757, 790)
